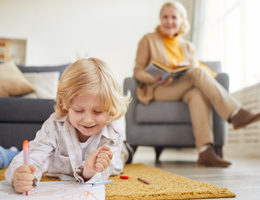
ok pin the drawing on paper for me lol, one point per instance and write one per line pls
(56, 190)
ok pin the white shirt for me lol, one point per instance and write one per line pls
(56, 148)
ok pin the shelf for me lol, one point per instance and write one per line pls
(4, 51)
(13, 49)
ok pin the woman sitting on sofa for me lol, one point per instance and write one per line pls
(197, 87)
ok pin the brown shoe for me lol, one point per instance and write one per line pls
(211, 159)
(243, 118)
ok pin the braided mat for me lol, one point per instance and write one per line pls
(163, 185)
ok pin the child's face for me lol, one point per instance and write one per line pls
(86, 115)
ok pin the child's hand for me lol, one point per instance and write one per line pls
(23, 178)
(97, 161)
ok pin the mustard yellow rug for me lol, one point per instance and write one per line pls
(163, 185)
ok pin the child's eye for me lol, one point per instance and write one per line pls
(97, 112)
(78, 110)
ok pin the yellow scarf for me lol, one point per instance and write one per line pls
(173, 49)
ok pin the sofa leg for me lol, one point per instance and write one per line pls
(134, 147)
(131, 150)
(158, 151)
(219, 151)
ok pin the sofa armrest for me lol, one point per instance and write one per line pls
(223, 79)
(132, 133)
(130, 84)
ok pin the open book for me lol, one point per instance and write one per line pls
(156, 68)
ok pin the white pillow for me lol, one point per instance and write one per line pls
(45, 84)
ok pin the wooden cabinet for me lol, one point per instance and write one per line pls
(4, 51)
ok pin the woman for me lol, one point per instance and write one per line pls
(197, 87)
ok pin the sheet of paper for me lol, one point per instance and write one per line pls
(55, 190)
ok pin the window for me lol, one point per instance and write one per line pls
(230, 33)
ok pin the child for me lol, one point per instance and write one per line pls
(81, 140)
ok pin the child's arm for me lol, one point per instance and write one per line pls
(115, 167)
(115, 145)
(39, 152)
(97, 161)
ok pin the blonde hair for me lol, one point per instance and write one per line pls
(91, 77)
(185, 26)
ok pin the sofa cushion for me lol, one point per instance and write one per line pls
(30, 69)
(163, 112)
(17, 109)
(12, 81)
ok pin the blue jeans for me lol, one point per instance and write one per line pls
(6, 156)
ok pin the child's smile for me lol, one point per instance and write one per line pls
(89, 127)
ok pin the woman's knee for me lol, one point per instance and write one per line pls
(198, 74)
(198, 71)
(192, 94)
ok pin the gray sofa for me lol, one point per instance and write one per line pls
(21, 118)
(168, 124)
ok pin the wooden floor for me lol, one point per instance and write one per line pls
(242, 177)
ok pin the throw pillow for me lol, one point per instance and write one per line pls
(12, 81)
(45, 84)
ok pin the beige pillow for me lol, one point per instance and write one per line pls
(12, 81)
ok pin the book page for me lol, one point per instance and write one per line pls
(182, 64)
(162, 66)
(55, 190)
(180, 68)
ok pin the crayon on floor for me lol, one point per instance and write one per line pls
(146, 182)
(124, 177)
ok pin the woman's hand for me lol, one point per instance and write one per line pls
(157, 80)
(97, 161)
(23, 178)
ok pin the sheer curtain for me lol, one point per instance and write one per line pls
(228, 31)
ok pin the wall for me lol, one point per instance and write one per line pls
(59, 32)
